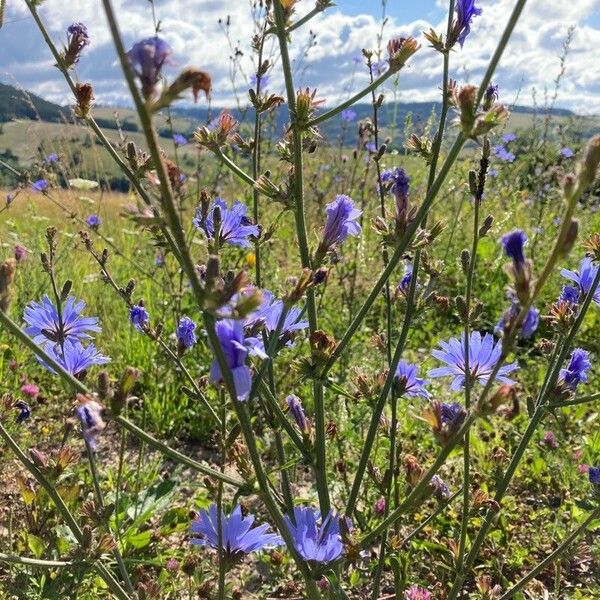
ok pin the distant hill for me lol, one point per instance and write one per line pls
(18, 104)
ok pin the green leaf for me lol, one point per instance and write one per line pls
(36, 545)
(139, 540)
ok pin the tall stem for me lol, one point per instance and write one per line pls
(318, 396)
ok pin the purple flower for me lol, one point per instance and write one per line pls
(414, 592)
(147, 59)
(238, 537)
(584, 278)
(179, 140)
(398, 182)
(159, 259)
(483, 356)
(41, 185)
(77, 40)
(348, 115)
(409, 384)
(139, 317)
(379, 507)
(297, 411)
(259, 81)
(566, 152)
(20, 253)
(235, 226)
(380, 66)
(549, 441)
(530, 322)
(493, 172)
(269, 313)
(452, 414)
(186, 333)
(513, 244)
(594, 475)
(576, 371)
(236, 348)
(43, 323)
(569, 294)
(503, 154)
(316, 540)
(51, 158)
(371, 147)
(73, 357)
(93, 221)
(507, 138)
(341, 221)
(404, 285)
(90, 415)
(24, 411)
(465, 11)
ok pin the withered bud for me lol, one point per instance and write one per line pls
(84, 96)
(591, 159)
(7, 275)
(399, 50)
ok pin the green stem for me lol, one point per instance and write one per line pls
(318, 397)
(35, 562)
(234, 168)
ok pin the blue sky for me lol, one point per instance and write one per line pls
(191, 27)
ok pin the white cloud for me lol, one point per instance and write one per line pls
(192, 28)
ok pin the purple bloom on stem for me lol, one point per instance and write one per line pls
(235, 349)
(503, 154)
(509, 137)
(404, 284)
(584, 278)
(20, 253)
(409, 384)
(93, 221)
(341, 221)
(379, 507)
(493, 172)
(41, 185)
(316, 540)
(576, 371)
(348, 115)
(440, 490)
(90, 415)
(179, 140)
(43, 323)
(594, 475)
(513, 244)
(371, 147)
(77, 40)
(51, 158)
(297, 411)
(452, 414)
(148, 58)
(260, 81)
(24, 411)
(483, 356)
(186, 333)
(269, 313)
(139, 317)
(73, 357)
(235, 226)
(238, 537)
(465, 11)
(566, 152)
(399, 183)
(528, 326)
(569, 294)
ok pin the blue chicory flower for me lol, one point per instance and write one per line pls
(440, 490)
(371, 147)
(584, 278)
(236, 347)
(465, 11)
(235, 228)
(179, 140)
(90, 413)
(297, 411)
(93, 221)
(316, 540)
(411, 385)
(269, 312)
(576, 371)
(261, 81)
(139, 316)
(43, 323)
(483, 356)
(41, 185)
(238, 537)
(186, 333)
(528, 326)
(341, 221)
(509, 137)
(566, 152)
(569, 294)
(51, 158)
(73, 357)
(594, 475)
(513, 244)
(399, 183)
(404, 285)
(148, 58)
(503, 154)
(493, 172)
(348, 115)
